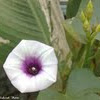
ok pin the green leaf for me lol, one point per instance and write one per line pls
(76, 23)
(21, 19)
(82, 83)
(72, 8)
(85, 97)
(50, 94)
(76, 29)
(74, 39)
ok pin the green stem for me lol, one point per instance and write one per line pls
(87, 55)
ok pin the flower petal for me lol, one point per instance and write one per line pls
(29, 48)
(20, 50)
(13, 72)
(12, 60)
(51, 70)
(49, 58)
(25, 84)
(43, 80)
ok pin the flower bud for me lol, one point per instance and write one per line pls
(86, 26)
(82, 17)
(97, 28)
(89, 10)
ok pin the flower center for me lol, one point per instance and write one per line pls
(33, 70)
(32, 66)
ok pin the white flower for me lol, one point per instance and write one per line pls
(31, 66)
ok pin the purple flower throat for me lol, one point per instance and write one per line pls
(32, 66)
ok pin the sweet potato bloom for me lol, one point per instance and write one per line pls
(31, 66)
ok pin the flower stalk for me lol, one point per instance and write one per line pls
(91, 32)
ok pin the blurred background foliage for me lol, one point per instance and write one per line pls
(76, 25)
(24, 19)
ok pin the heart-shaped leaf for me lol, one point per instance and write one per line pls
(82, 83)
(50, 94)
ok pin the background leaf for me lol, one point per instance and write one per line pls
(21, 19)
(85, 97)
(50, 94)
(72, 8)
(74, 40)
(82, 83)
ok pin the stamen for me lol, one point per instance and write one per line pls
(33, 69)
